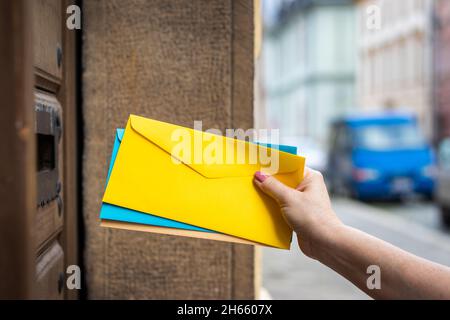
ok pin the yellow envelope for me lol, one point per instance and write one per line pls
(218, 196)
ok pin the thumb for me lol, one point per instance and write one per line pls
(274, 188)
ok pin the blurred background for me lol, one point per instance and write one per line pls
(362, 88)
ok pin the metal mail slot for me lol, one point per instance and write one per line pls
(48, 128)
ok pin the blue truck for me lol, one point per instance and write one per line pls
(380, 157)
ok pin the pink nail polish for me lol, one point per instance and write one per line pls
(260, 177)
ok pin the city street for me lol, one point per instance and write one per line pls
(413, 226)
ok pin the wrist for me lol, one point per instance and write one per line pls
(324, 242)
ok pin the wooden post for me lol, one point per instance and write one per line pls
(176, 61)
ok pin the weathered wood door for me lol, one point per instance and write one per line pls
(38, 175)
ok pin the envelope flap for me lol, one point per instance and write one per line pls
(211, 155)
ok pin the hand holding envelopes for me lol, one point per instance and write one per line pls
(218, 196)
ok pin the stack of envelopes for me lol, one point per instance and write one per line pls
(150, 189)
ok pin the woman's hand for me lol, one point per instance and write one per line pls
(307, 208)
(322, 236)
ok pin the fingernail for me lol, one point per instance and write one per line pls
(260, 177)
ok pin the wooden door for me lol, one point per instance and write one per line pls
(38, 172)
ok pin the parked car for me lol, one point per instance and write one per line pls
(380, 157)
(443, 180)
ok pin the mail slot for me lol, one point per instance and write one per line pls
(48, 128)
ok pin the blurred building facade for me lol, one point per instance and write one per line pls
(308, 65)
(441, 69)
(394, 69)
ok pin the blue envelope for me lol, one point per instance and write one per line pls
(116, 213)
